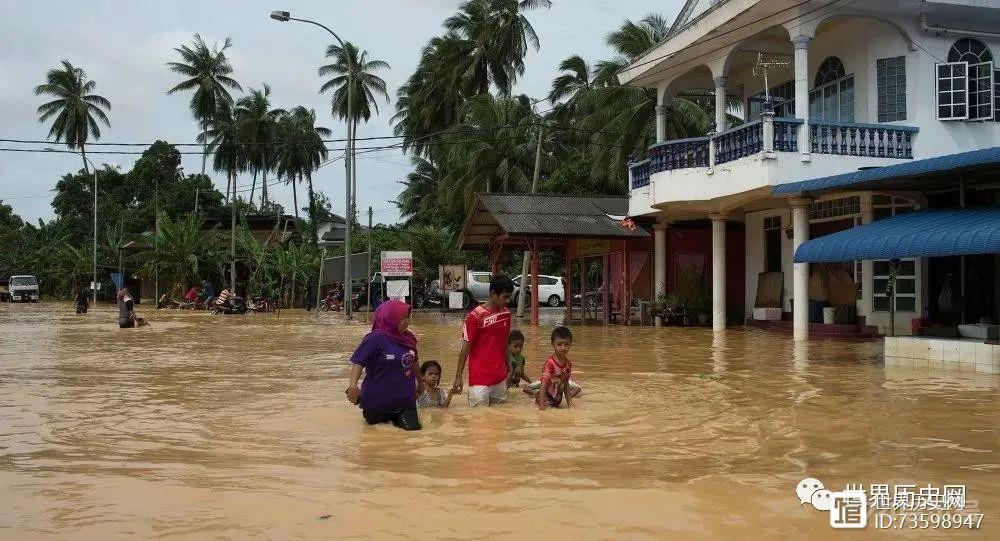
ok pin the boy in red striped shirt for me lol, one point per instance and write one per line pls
(484, 346)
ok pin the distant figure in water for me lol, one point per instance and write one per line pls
(126, 311)
(388, 357)
(81, 301)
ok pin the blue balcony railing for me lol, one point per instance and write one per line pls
(870, 140)
(786, 134)
(739, 142)
(679, 154)
(775, 135)
(640, 174)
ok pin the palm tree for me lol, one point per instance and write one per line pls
(497, 35)
(352, 64)
(367, 85)
(495, 150)
(207, 73)
(619, 121)
(421, 187)
(485, 44)
(259, 124)
(224, 138)
(576, 77)
(300, 150)
(76, 110)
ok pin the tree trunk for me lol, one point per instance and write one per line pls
(253, 186)
(263, 190)
(312, 212)
(83, 155)
(204, 146)
(295, 200)
(354, 173)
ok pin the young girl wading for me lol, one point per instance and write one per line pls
(388, 357)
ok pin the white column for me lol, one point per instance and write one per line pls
(802, 93)
(659, 262)
(660, 257)
(661, 123)
(720, 103)
(718, 272)
(800, 274)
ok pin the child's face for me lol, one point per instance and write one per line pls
(562, 346)
(516, 346)
(432, 377)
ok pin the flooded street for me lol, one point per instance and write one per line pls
(236, 427)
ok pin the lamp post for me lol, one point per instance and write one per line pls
(94, 167)
(285, 16)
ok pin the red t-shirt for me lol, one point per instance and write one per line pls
(192, 295)
(553, 375)
(486, 332)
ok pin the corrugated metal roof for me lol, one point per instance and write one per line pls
(922, 233)
(941, 164)
(546, 215)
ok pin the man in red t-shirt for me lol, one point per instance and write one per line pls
(484, 345)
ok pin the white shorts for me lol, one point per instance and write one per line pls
(485, 395)
(538, 385)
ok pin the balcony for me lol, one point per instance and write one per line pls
(768, 136)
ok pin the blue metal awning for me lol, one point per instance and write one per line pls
(922, 233)
(916, 168)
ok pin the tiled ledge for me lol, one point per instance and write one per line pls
(943, 352)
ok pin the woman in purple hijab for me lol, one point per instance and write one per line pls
(388, 357)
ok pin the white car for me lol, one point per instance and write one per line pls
(551, 288)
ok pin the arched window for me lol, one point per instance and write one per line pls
(969, 50)
(967, 83)
(832, 96)
(829, 71)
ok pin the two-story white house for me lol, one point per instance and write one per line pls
(853, 85)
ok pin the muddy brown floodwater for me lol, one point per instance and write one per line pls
(236, 427)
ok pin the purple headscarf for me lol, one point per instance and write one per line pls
(386, 322)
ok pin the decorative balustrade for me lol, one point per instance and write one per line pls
(786, 134)
(640, 174)
(739, 142)
(770, 135)
(869, 140)
(679, 154)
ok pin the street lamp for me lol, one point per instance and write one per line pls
(95, 213)
(284, 16)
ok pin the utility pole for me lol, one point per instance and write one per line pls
(196, 191)
(368, 279)
(527, 254)
(156, 240)
(232, 238)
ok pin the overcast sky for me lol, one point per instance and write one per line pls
(123, 46)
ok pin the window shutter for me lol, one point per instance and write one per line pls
(952, 92)
(981, 91)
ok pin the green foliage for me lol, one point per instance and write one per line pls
(466, 140)
(183, 251)
(76, 113)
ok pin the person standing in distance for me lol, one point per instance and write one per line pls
(484, 346)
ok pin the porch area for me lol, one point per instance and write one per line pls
(604, 254)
